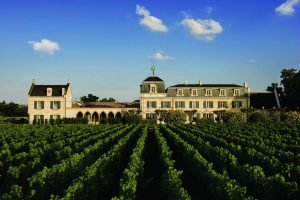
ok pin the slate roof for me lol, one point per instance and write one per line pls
(153, 78)
(206, 85)
(41, 90)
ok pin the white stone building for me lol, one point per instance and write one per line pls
(203, 99)
(47, 102)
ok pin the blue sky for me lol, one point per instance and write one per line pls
(106, 47)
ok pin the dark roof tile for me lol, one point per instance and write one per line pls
(153, 78)
(41, 90)
(206, 85)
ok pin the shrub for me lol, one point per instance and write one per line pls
(234, 116)
(275, 116)
(292, 116)
(172, 116)
(204, 120)
(259, 116)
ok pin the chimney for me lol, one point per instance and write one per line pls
(245, 84)
(185, 82)
(200, 82)
(63, 91)
(49, 92)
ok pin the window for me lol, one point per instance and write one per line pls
(153, 88)
(54, 104)
(151, 104)
(208, 104)
(39, 105)
(222, 104)
(39, 118)
(194, 104)
(208, 92)
(194, 92)
(222, 92)
(166, 104)
(237, 104)
(152, 116)
(208, 115)
(179, 104)
(54, 117)
(236, 92)
(179, 92)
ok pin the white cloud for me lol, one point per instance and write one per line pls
(209, 9)
(287, 8)
(205, 29)
(161, 56)
(252, 60)
(149, 21)
(45, 45)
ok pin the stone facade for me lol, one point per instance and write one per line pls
(47, 102)
(204, 99)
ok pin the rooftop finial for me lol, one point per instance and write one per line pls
(33, 80)
(68, 81)
(153, 68)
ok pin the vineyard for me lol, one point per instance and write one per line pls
(174, 161)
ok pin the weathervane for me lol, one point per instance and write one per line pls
(153, 68)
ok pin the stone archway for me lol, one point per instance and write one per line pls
(79, 115)
(103, 115)
(95, 117)
(111, 115)
(118, 115)
(87, 116)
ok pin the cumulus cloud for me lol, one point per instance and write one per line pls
(159, 55)
(45, 45)
(205, 29)
(149, 21)
(287, 8)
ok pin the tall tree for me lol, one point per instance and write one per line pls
(89, 98)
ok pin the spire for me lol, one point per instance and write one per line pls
(153, 68)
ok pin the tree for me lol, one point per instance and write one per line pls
(174, 116)
(190, 114)
(291, 84)
(108, 100)
(89, 98)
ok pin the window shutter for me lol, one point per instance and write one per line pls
(42, 104)
(51, 104)
(148, 104)
(58, 105)
(219, 104)
(42, 117)
(204, 104)
(197, 104)
(35, 104)
(211, 104)
(240, 104)
(226, 104)
(191, 104)
(51, 116)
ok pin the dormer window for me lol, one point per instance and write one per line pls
(49, 92)
(153, 88)
(194, 92)
(179, 92)
(236, 92)
(208, 92)
(222, 92)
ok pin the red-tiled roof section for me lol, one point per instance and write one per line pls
(112, 104)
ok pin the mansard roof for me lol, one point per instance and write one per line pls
(112, 104)
(153, 78)
(206, 85)
(41, 90)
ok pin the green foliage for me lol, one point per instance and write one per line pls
(89, 98)
(234, 117)
(13, 110)
(207, 160)
(132, 117)
(292, 116)
(174, 116)
(259, 116)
